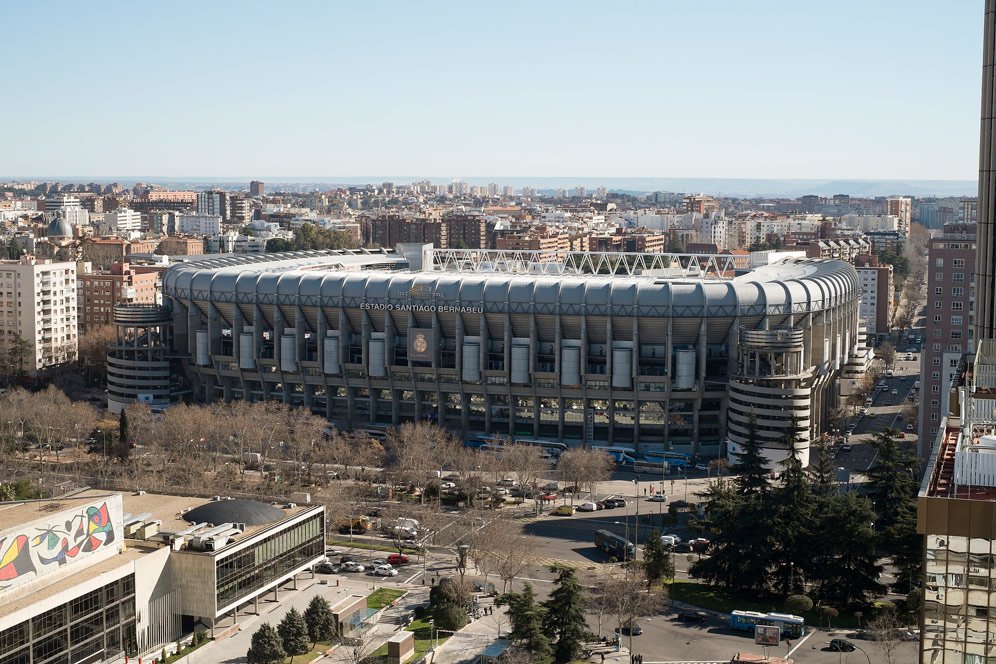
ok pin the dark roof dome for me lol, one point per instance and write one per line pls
(249, 512)
(60, 226)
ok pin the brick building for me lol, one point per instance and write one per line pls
(98, 292)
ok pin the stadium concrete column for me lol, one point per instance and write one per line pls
(985, 274)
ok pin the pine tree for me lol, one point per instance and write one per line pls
(656, 559)
(266, 647)
(792, 519)
(293, 633)
(526, 617)
(892, 480)
(124, 441)
(742, 544)
(844, 567)
(564, 617)
(751, 467)
(319, 619)
(822, 472)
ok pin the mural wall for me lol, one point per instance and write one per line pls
(64, 538)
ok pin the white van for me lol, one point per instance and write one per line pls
(890, 373)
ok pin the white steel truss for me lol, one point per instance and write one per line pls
(585, 263)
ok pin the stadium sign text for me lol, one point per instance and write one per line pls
(427, 308)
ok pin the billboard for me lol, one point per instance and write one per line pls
(421, 344)
(767, 635)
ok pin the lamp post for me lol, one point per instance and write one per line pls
(626, 552)
(636, 527)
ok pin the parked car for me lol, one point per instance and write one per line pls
(447, 486)
(846, 447)
(385, 570)
(396, 559)
(700, 544)
(683, 547)
(701, 466)
(657, 498)
(563, 510)
(587, 507)
(601, 505)
(670, 540)
(631, 629)
(615, 502)
(909, 427)
(549, 496)
(840, 645)
(692, 616)
(352, 566)
(326, 568)
(507, 482)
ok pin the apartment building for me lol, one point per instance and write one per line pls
(123, 221)
(199, 224)
(902, 208)
(38, 304)
(98, 292)
(951, 263)
(877, 288)
(467, 230)
(393, 229)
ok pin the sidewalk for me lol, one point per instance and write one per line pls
(468, 643)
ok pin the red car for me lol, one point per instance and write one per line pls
(396, 559)
(549, 496)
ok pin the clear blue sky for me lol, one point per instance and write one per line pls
(666, 88)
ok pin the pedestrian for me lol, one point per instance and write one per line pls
(602, 655)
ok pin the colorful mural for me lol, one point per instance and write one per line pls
(25, 555)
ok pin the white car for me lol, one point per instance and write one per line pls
(352, 567)
(385, 570)
(447, 486)
(670, 540)
(587, 507)
(657, 498)
(702, 467)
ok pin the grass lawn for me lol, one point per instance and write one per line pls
(382, 597)
(423, 641)
(717, 599)
(311, 656)
(184, 652)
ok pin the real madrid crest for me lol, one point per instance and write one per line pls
(420, 344)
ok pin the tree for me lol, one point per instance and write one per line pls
(564, 618)
(310, 236)
(124, 440)
(449, 617)
(829, 613)
(798, 604)
(629, 597)
(751, 466)
(844, 569)
(513, 551)
(293, 633)
(793, 512)
(266, 647)
(526, 617)
(93, 353)
(583, 467)
(656, 559)
(893, 488)
(320, 621)
(822, 471)
(887, 352)
(885, 629)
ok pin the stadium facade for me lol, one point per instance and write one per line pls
(676, 359)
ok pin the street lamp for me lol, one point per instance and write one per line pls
(626, 551)
(636, 536)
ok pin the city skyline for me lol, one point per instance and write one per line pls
(765, 91)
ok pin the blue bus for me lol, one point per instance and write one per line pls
(621, 455)
(617, 547)
(793, 627)
(673, 459)
(553, 448)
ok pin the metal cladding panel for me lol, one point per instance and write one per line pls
(622, 367)
(654, 294)
(288, 352)
(718, 329)
(571, 292)
(521, 291)
(684, 374)
(288, 284)
(330, 356)
(400, 286)
(472, 291)
(266, 284)
(333, 285)
(377, 286)
(624, 294)
(520, 361)
(495, 291)
(447, 291)
(598, 293)
(376, 365)
(354, 286)
(719, 295)
(202, 281)
(471, 372)
(247, 350)
(547, 293)
(570, 364)
(686, 295)
(203, 351)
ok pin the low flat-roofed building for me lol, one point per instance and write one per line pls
(96, 574)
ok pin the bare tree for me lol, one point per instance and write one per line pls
(584, 468)
(629, 597)
(417, 451)
(512, 550)
(93, 353)
(529, 466)
(885, 630)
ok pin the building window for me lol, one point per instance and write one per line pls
(937, 348)
(933, 417)
(937, 318)
(936, 361)
(958, 277)
(938, 262)
(938, 276)
(935, 375)
(933, 403)
(956, 334)
(957, 306)
(959, 263)
(935, 389)
(938, 290)
(937, 304)
(958, 291)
